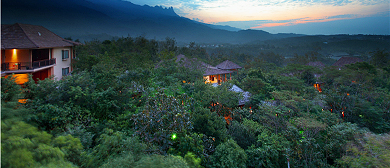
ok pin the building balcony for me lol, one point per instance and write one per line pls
(26, 67)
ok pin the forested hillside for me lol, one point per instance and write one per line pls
(324, 48)
(118, 109)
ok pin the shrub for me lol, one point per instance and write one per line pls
(162, 117)
(24, 145)
(229, 155)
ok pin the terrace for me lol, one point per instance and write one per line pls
(23, 67)
(25, 61)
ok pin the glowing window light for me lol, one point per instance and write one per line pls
(23, 101)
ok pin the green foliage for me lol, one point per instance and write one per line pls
(256, 83)
(229, 154)
(370, 151)
(157, 161)
(71, 147)
(128, 160)
(353, 97)
(290, 83)
(303, 72)
(304, 59)
(13, 110)
(25, 146)
(114, 96)
(113, 144)
(269, 150)
(219, 99)
(51, 117)
(274, 117)
(169, 45)
(122, 161)
(184, 144)
(380, 58)
(162, 116)
(310, 127)
(271, 57)
(209, 124)
(194, 50)
(9, 89)
(80, 98)
(244, 133)
(127, 53)
(288, 98)
(337, 138)
(192, 161)
(170, 74)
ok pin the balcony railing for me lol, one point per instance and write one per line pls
(15, 66)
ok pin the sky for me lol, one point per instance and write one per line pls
(287, 16)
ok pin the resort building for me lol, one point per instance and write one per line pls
(30, 49)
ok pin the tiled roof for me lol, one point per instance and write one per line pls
(193, 63)
(346, 60)
(228, 65)
(24, 36)
(317, 64)
(215, 71)
(339, 54)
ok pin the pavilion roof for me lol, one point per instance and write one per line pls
(226, 65)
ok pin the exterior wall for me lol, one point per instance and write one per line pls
(51, 71)
(57, 53)
(2, 56)
(17, 55)
(41, 75)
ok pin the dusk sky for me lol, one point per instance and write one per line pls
(287, 16)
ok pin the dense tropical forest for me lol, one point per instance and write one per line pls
(119, 109)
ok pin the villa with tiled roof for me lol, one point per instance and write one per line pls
(31, 49)
(228, 65)
(213, 75)
(346, 60)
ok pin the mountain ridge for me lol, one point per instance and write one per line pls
(88, 19)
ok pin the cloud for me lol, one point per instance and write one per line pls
(260, 14)
(198, 20)
(343, 16)
(196, 4)
(368, 25)
(303, 21)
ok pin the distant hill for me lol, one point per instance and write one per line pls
(225, 27)
(104, 19)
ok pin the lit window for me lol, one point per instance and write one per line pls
(65, 71)
(65, 54)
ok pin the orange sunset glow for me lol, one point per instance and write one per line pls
(246, 14)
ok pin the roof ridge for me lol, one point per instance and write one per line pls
(227, 64)
(19, 24)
